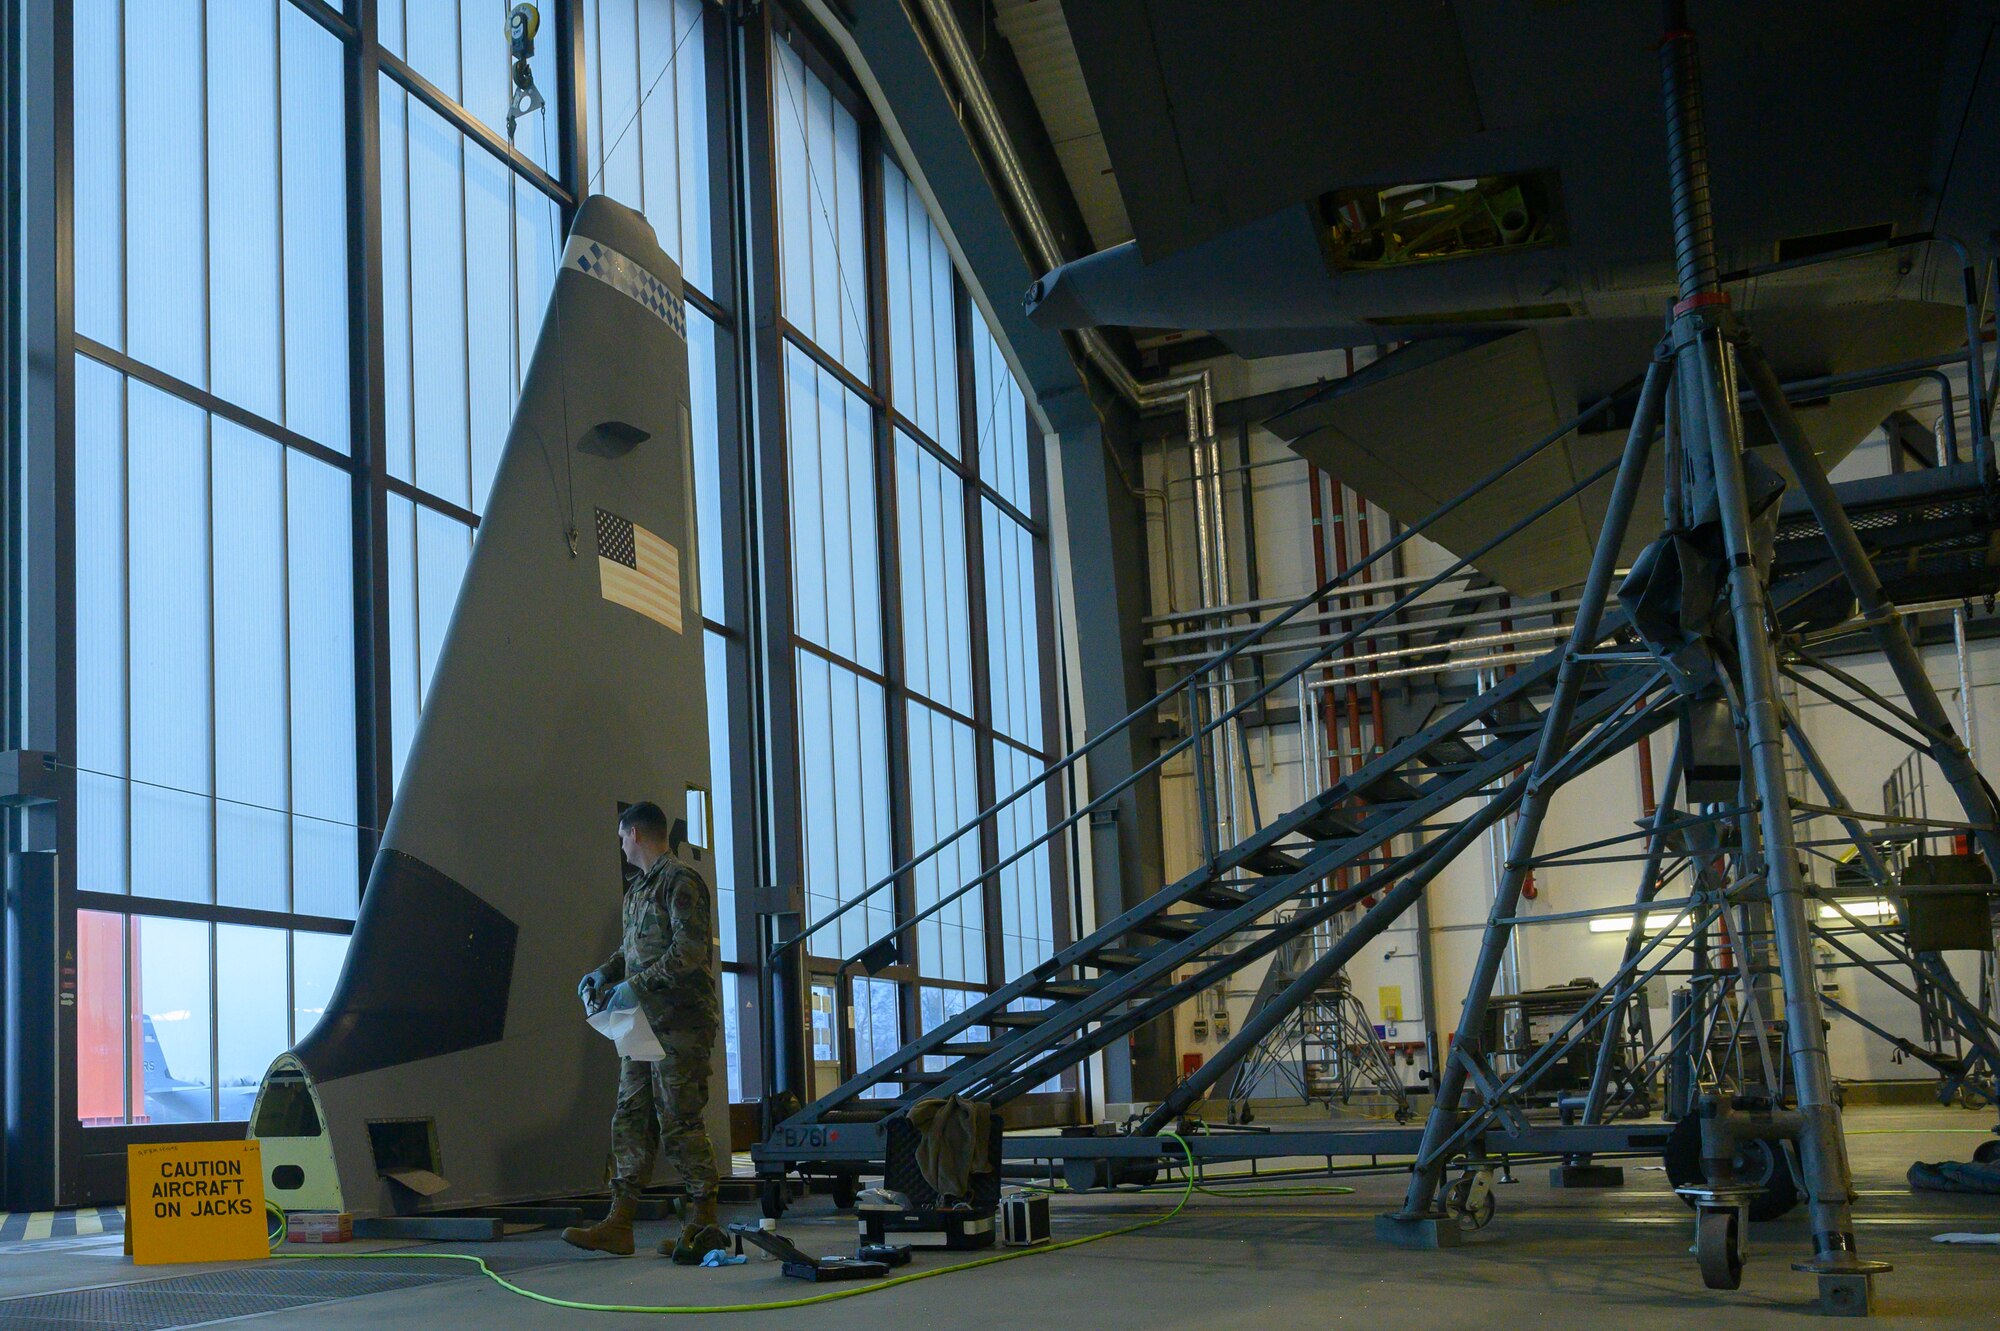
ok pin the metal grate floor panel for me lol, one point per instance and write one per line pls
(176, 1301)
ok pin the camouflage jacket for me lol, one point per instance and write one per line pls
(668, 952)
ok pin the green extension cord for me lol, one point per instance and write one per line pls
(1331, 1190)
(775, 1304)
(1293, 1190)
(1192, 1186)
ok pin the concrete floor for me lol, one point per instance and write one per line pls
(1615, 1259)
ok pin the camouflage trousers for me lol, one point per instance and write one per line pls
(660, 1104)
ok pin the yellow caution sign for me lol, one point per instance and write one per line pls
(1390, 998)
(195, 1202)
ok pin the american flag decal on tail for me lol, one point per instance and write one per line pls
(638, 570)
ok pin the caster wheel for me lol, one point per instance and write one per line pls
(1471, 1200)
(1986, 1153)
(1760, 1162)
(771, 1199)
(845, 1186)
(1718, 1247)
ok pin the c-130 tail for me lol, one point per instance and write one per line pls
(453, 1050)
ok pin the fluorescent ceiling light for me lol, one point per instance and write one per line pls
(1622, 924)
(1861, 910)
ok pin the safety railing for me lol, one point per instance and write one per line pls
(1189, 685)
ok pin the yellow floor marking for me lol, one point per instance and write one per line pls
(38, 1226)
(89, 1222)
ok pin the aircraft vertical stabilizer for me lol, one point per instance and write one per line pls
(570, 682)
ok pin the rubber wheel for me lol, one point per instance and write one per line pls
(1718, 1247)
(1457, 1200)
(771, 1199)
(845, 1186)
(1756, 1162)
(1986, 1153)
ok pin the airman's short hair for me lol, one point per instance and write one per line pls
(646, 818)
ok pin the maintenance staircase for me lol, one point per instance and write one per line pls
(1213, 921)
(1226, 914)
(1274, 886)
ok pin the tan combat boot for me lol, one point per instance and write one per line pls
(701, 1235)
(613, 1234)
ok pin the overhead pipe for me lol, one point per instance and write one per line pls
(1192, 392)
(1377, 631)
(1193, 389)
(1340, 562)
(1366, 547)
(1323, 717)
(1212, 586)
(1443, 601)
(1278, 603)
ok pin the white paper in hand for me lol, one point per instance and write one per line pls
(630, 1032)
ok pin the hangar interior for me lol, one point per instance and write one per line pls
(1367, 632)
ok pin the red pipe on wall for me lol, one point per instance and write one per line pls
(1341, 565)
(1330, 726)
(1367, 547)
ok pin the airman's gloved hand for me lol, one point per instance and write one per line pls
(587, 989)
(622, 997)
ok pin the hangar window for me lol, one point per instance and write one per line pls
(176, 1021)
(296, 368)
(918, 558)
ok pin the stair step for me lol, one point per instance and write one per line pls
(1032, 1018)
(927, 1076)
(1116, 959)
(1271, 862)
(1390, 788)
(1515, 713)
(1329, 824)
(1065, 990)
(970, 1048)
(863, 1112)
(1175, 926)
(1448, 750)
(1218, 896)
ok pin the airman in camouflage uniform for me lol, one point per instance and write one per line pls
(666, 966)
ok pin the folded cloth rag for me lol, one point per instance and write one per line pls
(721, 1257)
(1989, 1239)
(953, 1143)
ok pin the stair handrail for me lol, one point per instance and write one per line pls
(1311, 661)
(1222, 658)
